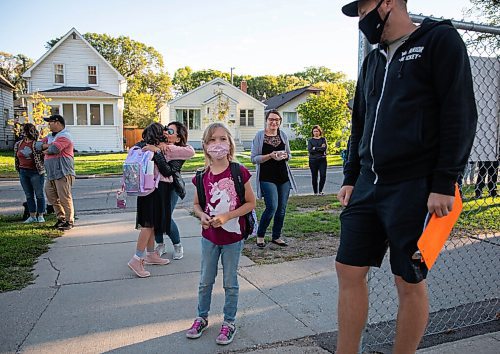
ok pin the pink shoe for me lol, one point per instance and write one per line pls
(154, 258)
(137, 265)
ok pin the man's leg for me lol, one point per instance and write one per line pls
(53, 199)
(413, 315)
(64, 186)
(352, 306)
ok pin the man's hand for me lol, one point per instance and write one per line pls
(219, 220)
(344, 195)
(440, 204)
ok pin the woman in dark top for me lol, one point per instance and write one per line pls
(270, 154)
(317, 159)
(29, 164)
(153, 210)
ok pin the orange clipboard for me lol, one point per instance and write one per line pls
(437, 232)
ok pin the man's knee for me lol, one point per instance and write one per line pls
(408, 290)
(350, 275)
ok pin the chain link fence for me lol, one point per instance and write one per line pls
(464, 284)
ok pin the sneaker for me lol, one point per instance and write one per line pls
(160, 249)
(226, 334)
(154, 258)
(137, 265)
(58, 224)
(40, 218)
(66, 226)
(178, 251)
(30, 220)
(196, 330)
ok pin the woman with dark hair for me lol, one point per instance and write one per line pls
(270, 154)
(175, 147)
(153, 210)
(317, 158)
(29, 164)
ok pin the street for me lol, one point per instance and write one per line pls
(99, 194)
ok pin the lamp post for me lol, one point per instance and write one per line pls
(232, 75)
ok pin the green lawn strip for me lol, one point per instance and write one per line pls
(20, 246)
(308, 215)
(479, 215)
(112, 163)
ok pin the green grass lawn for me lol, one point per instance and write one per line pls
(20, 246)
(103, 164)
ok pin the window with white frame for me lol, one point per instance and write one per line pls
(59, 73)
(68, 113)
(289, 119)
(88, 114)
(247, 118)
(92, 74)
(54, 110)
(191, 118)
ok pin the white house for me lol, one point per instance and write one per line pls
(85, 89)
(286, 104)
(6, 113)
(197, 108)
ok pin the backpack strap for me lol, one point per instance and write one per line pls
(200, 189)
(238, 181)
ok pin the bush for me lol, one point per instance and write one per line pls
(298, 144)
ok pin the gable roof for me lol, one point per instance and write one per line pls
(214, 97)
(27, 73)
(5, 82)
(217, 81)
(69, 91)
(279, 100)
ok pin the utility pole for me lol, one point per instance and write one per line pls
(232, 75)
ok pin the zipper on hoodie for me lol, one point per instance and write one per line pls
(376, 115)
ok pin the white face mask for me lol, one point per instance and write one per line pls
(218, 151)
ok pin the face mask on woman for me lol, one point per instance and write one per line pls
(372, 25)
(218, 151)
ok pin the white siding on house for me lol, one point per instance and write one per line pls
(93, 137)
(6, 108)
(239, 100)
(291, 106)
(76, 57)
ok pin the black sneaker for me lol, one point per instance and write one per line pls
(58, 224)
(66, 226)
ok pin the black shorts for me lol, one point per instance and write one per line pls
(385, 216)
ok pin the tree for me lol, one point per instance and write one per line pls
(141, 109)
(315, 74)
(329, 110)
(40, 109)
(143, 67)
(12, 68)
(486, 11)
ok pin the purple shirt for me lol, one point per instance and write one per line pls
(221, 197)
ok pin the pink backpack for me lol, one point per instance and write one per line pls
(139, 178)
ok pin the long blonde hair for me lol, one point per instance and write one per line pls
(207, 135)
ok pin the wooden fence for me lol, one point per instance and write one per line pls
(132, 135)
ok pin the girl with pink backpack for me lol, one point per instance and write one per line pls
(153, 209)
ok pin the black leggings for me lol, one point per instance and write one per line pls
(318, 165)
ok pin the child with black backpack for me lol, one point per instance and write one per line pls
(223, 216)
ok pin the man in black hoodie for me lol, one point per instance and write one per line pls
(413, 124)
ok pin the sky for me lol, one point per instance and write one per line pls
(256, 37)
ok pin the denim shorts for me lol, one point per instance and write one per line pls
(380, 217)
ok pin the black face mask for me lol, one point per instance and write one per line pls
(372, 25)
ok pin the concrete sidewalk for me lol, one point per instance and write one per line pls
(86, 300)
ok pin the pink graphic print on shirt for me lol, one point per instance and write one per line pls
(222, 200)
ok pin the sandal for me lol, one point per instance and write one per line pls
(282, 243)
(261, 244)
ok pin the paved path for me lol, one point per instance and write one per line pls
(86, 300)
